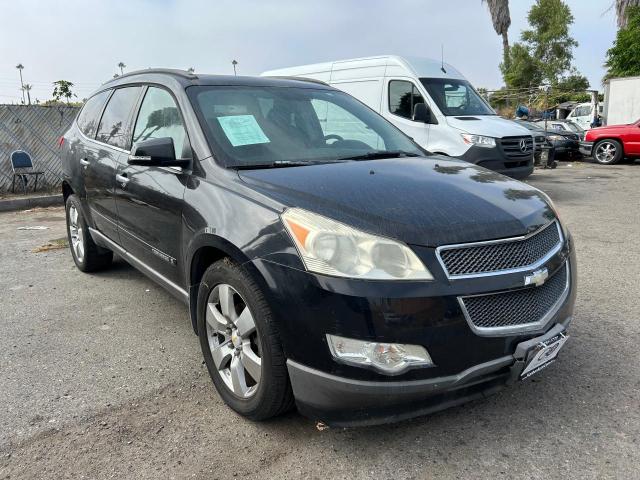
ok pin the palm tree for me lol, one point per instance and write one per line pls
(234, 63)
(501, 18)
(20, 67)
(121, 66)
(621, 10)
(27, 88)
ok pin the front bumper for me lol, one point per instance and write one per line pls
(467, 365)
(586, 148)
(339, 401)
(494, 159)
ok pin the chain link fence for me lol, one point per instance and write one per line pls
(35, 129)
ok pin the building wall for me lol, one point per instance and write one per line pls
(37, 130)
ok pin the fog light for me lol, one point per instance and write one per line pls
(389, 358)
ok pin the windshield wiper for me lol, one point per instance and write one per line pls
(276, 164)
(381, 154)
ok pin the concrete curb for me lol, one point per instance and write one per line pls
(24, 203)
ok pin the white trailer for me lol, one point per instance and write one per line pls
(622, 100)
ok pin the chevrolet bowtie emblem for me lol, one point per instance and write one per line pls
(537, 277)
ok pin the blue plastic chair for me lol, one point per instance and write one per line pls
(22, 166)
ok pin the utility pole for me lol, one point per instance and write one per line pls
(234, 63)
(20, 67)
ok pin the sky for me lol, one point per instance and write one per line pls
(83, 40)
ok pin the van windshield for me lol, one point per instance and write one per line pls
(249, 126)
(456, 97)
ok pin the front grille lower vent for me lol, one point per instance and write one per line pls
(516, 310)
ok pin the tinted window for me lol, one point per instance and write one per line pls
(402, 98)
(114, 126)
(159, 117)
(249, 126)
(90, 114)
(456, 97)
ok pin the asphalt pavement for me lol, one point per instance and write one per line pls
(101, 375)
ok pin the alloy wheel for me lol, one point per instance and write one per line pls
(76, 233)
(233, 341)
(606, 152)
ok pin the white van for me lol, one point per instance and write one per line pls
(456, 121)
(582, 114)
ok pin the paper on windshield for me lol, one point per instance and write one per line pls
(242, 130)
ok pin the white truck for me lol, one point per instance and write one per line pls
(583, 114)
(433, 103)
(621, 100)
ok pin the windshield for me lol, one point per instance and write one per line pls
(287, 126)
(456, 97)
(531, 126)
(574, 127)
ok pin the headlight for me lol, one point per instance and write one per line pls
(389, 358)
(333, 248)
(556, 138)
(478, 140)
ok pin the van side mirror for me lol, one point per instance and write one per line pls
(155, 152)
(422, 113)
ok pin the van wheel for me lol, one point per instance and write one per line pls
(607, 152)
(87, 256)
(240, 343)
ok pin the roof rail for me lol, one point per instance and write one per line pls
(169, 71)
(301, 79)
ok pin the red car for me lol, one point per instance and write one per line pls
(610, 144)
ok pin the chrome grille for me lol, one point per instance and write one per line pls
(512, 149)
(499, 255)
(516, 310)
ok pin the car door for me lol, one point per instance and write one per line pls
(150, 199)
(100, 158)
(631, 139)
(402, 96)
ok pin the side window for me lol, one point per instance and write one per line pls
(159, 118)
(335, 120)
(114, 125)
(90, 114)
(403, 96)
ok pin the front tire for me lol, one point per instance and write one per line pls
(240, 343)
(87, 256)
(608, 152)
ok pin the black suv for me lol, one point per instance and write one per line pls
(325, 258)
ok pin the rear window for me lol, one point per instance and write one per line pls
(114, 125)
(90, 115)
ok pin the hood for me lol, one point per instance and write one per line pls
(423, 201)
(489, 125)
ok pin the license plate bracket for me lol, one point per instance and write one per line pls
(543, 354)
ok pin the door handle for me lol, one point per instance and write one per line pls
(84, 162)
(122, 180)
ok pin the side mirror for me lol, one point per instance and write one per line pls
(155, 152)
(422, 113)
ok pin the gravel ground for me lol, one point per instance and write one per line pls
(102, 377)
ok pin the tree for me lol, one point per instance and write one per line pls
(121, 66)
(623, 58)
(234, 63)
(27, 88)
(548, 39)
(20, 67)
(62, 89)
(545, 53)
(501, 19)
(621, 11)
(523, 70)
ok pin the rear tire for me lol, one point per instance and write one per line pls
(236, 325)
(608, 152)
(87, 256)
